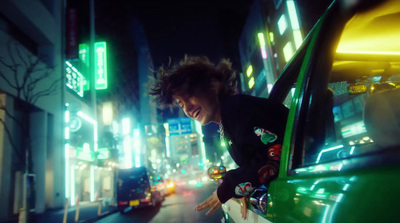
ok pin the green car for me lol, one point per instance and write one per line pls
(341, 154)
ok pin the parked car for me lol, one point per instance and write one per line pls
(137, 187)
(340, 159)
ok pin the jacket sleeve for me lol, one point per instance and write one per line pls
(258, 161)
(238, 183)
(243, 180)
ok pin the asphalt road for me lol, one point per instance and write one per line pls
(176, 208)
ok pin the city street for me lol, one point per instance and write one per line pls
(176, 208)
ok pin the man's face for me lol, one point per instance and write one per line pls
(203, 108)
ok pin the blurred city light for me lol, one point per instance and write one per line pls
(288, 51)
(262, 45)
(294, 22)
(137, 145)
(249, 70)
(127, 158)
(282, 24)
(107, 113)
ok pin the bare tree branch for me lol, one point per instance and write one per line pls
(28, 78)
(8, 114)
(48, 91)
(14, 65)
(30, 87)
(20, 56)
(11, 141)
(10, 54)
(11, 67)
(2, 75)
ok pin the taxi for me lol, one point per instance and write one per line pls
(340, 158)
(136, 188)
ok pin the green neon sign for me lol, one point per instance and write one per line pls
(84, 53)
(100, 65)
(74, 79)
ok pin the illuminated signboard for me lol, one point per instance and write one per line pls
(179, 126)
(84, 56)
(74, 79)
(84, 53)
(100, 61)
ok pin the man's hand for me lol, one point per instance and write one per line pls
(211, 202)
(243, 207)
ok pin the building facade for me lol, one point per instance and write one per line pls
(185, 149)
(32, 105)
(270, 37)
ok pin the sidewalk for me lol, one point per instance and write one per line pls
(88, 212)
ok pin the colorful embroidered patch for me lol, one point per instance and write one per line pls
(266, 136)
(265, 174)
(274, 152)
(243, 189)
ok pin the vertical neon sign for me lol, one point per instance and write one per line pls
(100, 65)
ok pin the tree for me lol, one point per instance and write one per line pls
(28, 78)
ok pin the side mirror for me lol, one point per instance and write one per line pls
(216, 172)
(259, 199)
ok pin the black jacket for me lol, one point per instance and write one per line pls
(246, 121)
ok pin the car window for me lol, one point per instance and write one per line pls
(360, 113)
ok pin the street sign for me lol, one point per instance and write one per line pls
(179, 126)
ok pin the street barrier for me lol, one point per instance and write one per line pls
(66, 211)
(21, 218)
(77, 209)
(99, 210)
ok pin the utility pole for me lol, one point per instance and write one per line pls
(93, 82)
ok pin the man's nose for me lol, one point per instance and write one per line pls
(188, 108)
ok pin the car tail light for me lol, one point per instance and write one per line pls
(123, 203)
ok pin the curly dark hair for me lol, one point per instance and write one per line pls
(193, 76)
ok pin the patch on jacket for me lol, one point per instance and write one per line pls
(267, 173)
(266, 136)
(243, 189)
(274, 152)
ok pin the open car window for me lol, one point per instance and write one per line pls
(360, 113)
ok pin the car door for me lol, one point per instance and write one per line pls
(341, 152)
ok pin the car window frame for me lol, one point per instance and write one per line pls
(301, 72)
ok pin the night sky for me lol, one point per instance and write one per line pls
(195, 27)
(173, 27)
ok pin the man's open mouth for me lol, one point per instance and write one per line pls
(196, 113)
